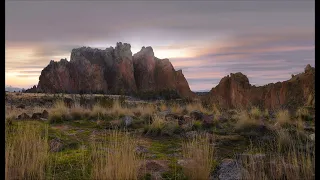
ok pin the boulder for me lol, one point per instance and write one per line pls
(208, 120)
(229, 169)
(36, 115)
(141, 150)
(171, 116)
(55, 145)
(21, 106)
(312, 136)
(127, 120)
(23, 116)
(68, 102)
(196, 115)
(153, 167)
(191, 134)
(45, 114)
(163, 113)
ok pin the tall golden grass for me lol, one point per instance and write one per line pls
(284, 159)
(199, 156)
(26, 151)
(116, 159)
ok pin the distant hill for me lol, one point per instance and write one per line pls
(201, 93)
(12, 89)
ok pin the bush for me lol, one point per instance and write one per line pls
(197, 125)
(169, 128)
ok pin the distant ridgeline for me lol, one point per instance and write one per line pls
(13, 89)
(114, 71)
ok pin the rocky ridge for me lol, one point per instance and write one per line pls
(235, 91)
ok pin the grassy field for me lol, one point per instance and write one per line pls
(120, 138)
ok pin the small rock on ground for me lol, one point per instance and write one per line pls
(23, 116)
(229, 169)
(127, 120)
(312, 137)
(56, 145)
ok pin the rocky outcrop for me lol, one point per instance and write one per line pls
(112, 71)
(72, 77)
(153, 74)
(235, 91)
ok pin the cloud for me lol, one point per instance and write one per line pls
(266, 40)
(30, 72)
(27, 75)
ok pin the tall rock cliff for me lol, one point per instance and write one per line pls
(235, 91)
(153, 74)
(112, 71)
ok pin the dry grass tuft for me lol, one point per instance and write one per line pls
(244, 120)
(156, 126)
(78, 112)
(197, 106)
(117, 109)
(216, 110)
(11, 113)
(266, 113)
(26, 151)
(303, 113)
(175, 108)
(144, 110)
(59, 112)
(283, 117)
(98, 111)
(255, 113)
(163, 106)
(116, 159)
(199, 156)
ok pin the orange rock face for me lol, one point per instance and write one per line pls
(235, 91)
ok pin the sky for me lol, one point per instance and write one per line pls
(267, 41)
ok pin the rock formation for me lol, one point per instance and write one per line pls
(236, 91)
(112, 71)
(153, 74)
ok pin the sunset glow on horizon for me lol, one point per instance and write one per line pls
(267, 41)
